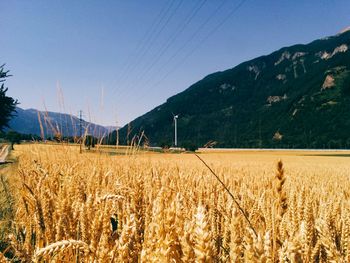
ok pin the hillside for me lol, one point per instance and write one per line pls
(296, 97)
(27, 122)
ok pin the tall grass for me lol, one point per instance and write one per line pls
(170, 208)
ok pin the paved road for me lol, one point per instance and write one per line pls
(3, 153)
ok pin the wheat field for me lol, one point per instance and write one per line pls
(151, 207)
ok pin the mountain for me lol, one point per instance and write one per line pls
(296, 97)
(28, 122)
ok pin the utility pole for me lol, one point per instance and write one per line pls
(80, 123)
(81, 130)
(175, 122)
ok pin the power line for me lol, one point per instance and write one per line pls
(154, 38)
(223, 21)
(211, 32)
(198, 30)
(171, 40)
(146, 38)
(208, 19)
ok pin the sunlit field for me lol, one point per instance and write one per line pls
(155, 207)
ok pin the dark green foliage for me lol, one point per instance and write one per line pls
(23, 137)
(13, 137)
(247, 105)
(189, 146)
(346, 85)
(165, 144)
(7, 104)
(90, 141)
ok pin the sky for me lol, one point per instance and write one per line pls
(118, 59)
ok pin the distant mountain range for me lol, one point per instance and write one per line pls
(296, 97)
(36, 122)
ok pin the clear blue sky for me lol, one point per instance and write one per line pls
(118, 59)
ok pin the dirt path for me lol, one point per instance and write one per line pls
(3, 153)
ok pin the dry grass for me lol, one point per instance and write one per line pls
(170, 208)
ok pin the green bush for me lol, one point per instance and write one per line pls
(189, 146)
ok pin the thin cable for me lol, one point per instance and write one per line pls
(197, 31)
(155, 38)
(230, 194)
(169, 42)
(149, 35)
(181, 62)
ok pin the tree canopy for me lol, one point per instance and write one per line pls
(7, 104)
(13, 137)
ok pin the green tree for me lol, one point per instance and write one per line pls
(189, 146)
(13, 137)
(90, 141)
(7, 104)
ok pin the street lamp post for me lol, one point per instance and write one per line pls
(175, 122)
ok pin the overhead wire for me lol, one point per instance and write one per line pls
(127, 91)
(169, 43)
(198, 30)
(196, 47)
(145, 38)
(153, 39)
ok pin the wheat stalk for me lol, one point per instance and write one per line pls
(60, 247)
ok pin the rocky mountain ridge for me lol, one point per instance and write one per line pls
(296, 97)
